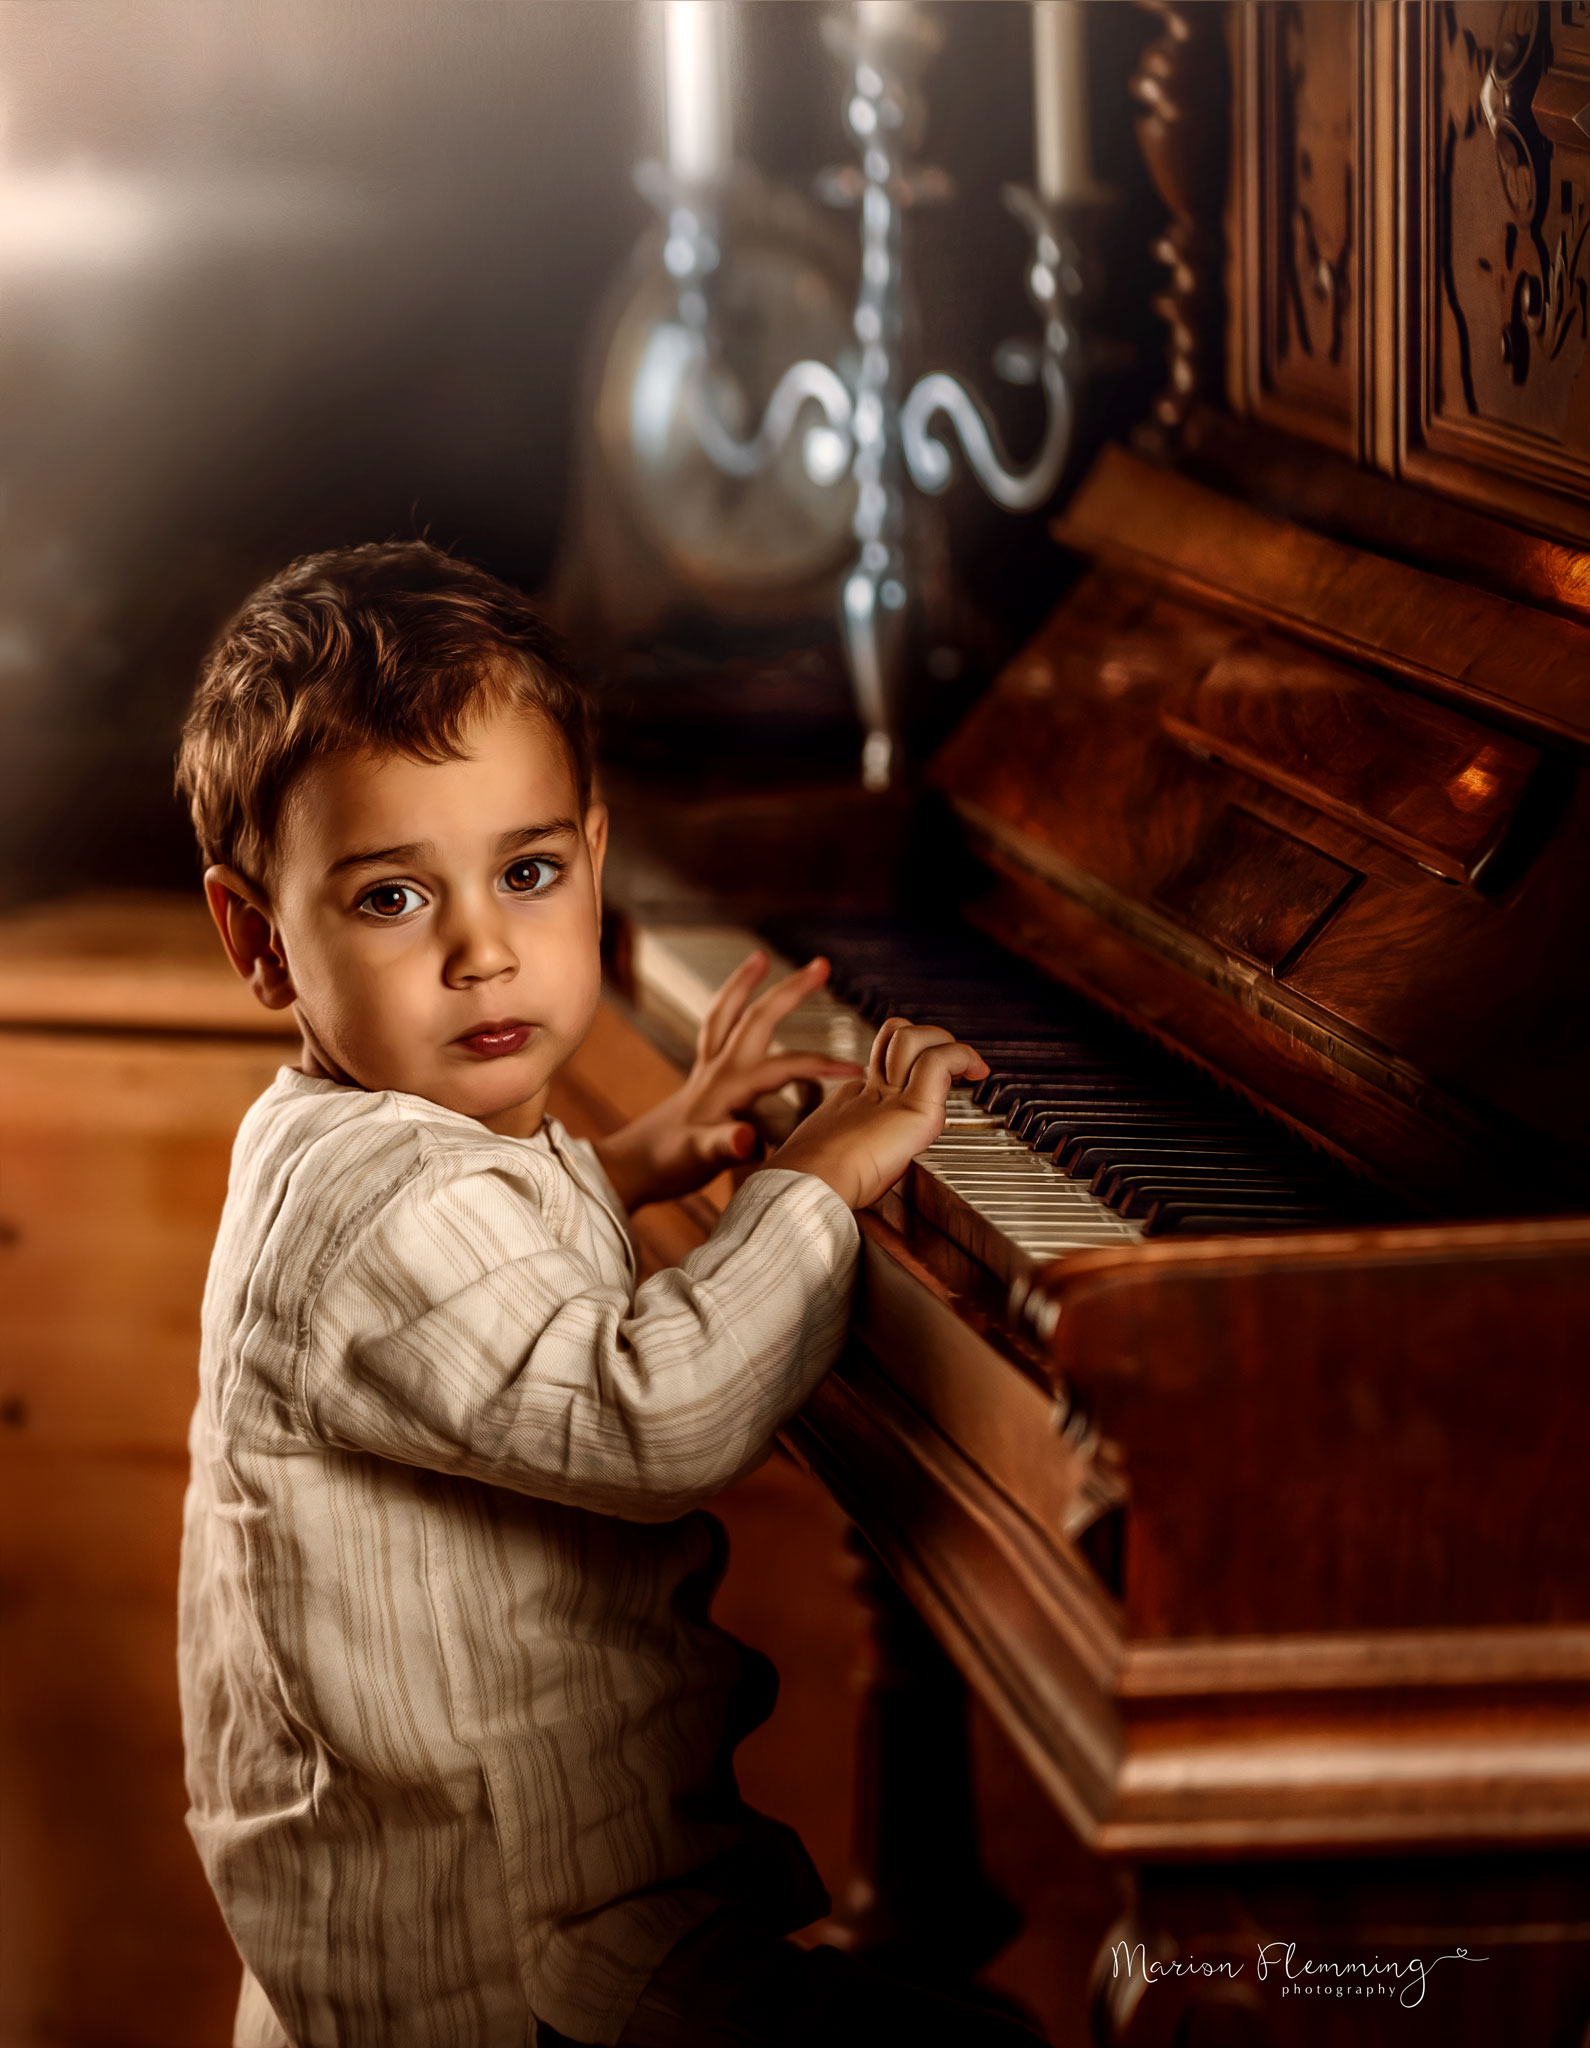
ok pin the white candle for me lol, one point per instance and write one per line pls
(696, 85)
(1060, 99)
(883, 17)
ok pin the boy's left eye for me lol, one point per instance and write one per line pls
(530, 877)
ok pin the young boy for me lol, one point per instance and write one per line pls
(459, 1725)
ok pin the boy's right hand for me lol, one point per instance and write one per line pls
(864, 1135)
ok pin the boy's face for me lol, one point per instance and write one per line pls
(436, 925)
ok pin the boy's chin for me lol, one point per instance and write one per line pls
(501, 1091)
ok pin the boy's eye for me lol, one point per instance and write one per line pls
(391, 899)
(529, 877)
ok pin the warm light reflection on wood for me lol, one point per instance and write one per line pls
(1475, 785)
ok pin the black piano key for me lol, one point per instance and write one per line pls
(1215, 1173)
(1069, 1135)
(1098, 1077)
(1187, 1217)
(1005, 1070)
(1014, 1064)
(1127, 1115)
(1051, 1129)
(1098, 1160)
(1026, 1115)
(1197, 1170)
(1020, 1055)
(1117, 1174)
(1142, 1199)
(1005, 1090)
(1021, 1061)
(1105, 1077)
(1170, 1174)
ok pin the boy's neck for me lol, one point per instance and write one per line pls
(523, 1120)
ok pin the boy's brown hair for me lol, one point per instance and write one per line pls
(389, 647)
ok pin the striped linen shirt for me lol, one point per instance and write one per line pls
(459, 1727)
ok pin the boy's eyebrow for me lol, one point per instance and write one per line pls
(556, 828)
(394, 856)
(377, 857)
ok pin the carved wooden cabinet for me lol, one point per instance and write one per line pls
(1409, 243)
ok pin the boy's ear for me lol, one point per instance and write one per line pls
(596, 840)
(243, 918)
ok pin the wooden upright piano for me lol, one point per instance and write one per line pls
(1220, 1391)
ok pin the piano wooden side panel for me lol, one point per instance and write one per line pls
(1382, 1414)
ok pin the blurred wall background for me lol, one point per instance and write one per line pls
(281, 274)
(273, 276)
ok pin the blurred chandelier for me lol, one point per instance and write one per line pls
(828, 423)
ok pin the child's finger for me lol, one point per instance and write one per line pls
(907, 1046)
(723, 1012)
(877, 1059)
(724, 1143)
(755, 1029)
(935, 1070)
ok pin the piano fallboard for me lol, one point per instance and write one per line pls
(1315, 818)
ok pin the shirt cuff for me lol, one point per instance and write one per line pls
(823, 1218)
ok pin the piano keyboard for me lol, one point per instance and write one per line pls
(1081, 1135)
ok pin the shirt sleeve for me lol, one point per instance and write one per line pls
(459, 1334)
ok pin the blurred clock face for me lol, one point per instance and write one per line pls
(721, 535)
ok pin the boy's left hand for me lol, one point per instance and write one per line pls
(688, 1139)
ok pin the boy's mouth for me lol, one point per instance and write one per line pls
(495, 1041)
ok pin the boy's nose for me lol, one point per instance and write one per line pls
(477, 949)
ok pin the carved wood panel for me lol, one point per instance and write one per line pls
(1498, 335)
(1409, 242)
(1300, 218)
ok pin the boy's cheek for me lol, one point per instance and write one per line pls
(576, 1001)
(576, 956)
